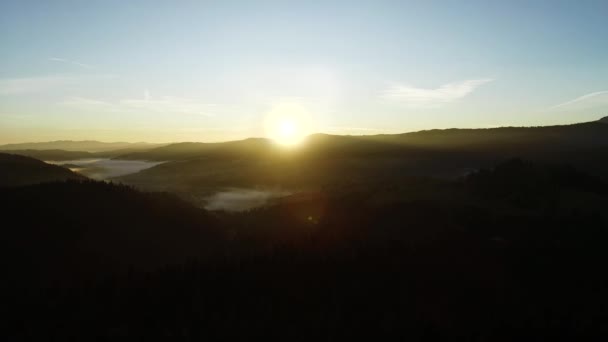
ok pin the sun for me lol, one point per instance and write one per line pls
(288, 129)
(288, 124)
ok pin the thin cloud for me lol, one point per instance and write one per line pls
(423, 97)
(26, 85)
(49, 83)
(67, 61)
(83, 102)
(169, 104)
(164, 104)
(589, 99)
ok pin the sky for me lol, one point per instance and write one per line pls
(163, 71)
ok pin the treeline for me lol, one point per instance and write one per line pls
(509, 253)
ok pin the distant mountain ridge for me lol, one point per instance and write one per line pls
(334, 159)
(62, 155)
(55, 155)
(70, 145)
(187, 150)
(582, 134)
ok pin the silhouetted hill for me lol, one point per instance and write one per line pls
(188, 150)
(53, 154)
(18, 170)
(75, 228)
(604, 119)
(59, 155)
(68, 145)
(324, 160)
(434, 235)
(504, 139)
(424, 260)
(527, 185)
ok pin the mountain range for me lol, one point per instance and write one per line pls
(82, 146)
(332, 159)
(418, 235)
(202, 168)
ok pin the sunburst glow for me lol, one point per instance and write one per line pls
(288, 124)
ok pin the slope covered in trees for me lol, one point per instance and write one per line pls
(422, 260)
(76, 228)
(19, 170)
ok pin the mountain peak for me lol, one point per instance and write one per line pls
(604, 119)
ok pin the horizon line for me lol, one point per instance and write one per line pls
(316, 133)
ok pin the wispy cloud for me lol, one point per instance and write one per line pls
(48, 83)
(85, 103)
(423, 97)
(591, 99)
(169, 104)
(164, 104)
(67, 61)
(25, 85)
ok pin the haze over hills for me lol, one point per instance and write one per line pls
(201, 169)
(331, 159)
(62, 155)
(574, 135)
(83, 146)
(569, 135)
(504, 138)
(53, 154)
(187, 150)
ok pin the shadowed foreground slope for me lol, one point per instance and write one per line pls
(422, 261)
(73, 229)
(19, 170)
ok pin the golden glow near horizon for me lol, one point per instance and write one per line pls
(288, 124)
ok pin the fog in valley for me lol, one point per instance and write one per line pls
(103, 168)
(242, 199)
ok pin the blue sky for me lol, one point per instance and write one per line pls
(209, 71)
